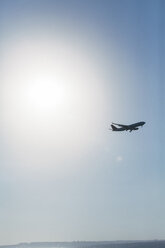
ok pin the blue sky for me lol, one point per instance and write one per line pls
(69, 69)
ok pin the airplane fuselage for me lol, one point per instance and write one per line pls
(138, 124)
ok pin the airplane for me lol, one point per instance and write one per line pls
(127, 127)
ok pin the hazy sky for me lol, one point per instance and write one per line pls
(67, 70)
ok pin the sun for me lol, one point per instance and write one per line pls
(53, 100)
(46, 94)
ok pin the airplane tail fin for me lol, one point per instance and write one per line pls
(113, 127)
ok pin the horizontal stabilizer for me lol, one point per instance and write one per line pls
(113, 128)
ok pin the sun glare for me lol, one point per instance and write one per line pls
(45, 94)
(53, 100)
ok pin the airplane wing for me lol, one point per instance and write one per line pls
(120, 125)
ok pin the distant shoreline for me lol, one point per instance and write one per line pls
(156, 243)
